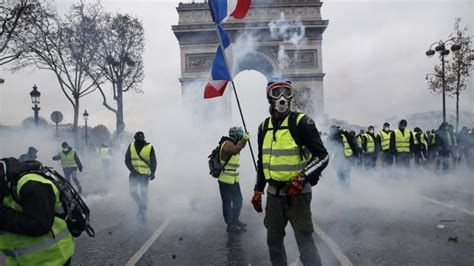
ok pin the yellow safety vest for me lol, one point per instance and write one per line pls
(104, 153)
(402, 141)
(230, 174)
(281, 156)
(53, 248)
(422, 138)
(359, 140)
(138, 164)
(385, 140)
(67, 159)
(347, 148)
(370, 143)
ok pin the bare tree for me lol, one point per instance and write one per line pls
(118, 59)
(459, 68)
(59, 45)
(14, 16)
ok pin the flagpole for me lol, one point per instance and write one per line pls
(221, 45)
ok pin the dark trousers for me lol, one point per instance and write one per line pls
(138, 185)
(296, 210)
(403, 159)
(72, 173)
(369, 160)
(231, 202)
(387, 159)
(442, 161)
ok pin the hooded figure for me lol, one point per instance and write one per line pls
(30, 155)
(31, 223)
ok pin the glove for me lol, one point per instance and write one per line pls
(80, 169)
(296, 185)
(257, 201)
(152, 176)
(246, 136)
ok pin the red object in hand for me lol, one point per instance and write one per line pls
(257, 201)
(296, 185)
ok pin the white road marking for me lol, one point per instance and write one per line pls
(148, 243)
(448, 205)
(336, 250)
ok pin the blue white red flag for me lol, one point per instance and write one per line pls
(220, 71)
(222, 9)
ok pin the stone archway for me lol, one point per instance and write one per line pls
(198, 41)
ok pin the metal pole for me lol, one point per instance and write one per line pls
(221, 45)
(57, 129)
(86, 135)
(444, 88)
(36, 109)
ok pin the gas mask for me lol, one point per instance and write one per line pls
(280, 97)
(386, 129)
(281, 105)
(65, 149)
(371, 131)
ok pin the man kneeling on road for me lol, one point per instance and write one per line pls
(291, 157)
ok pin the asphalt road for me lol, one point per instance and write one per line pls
(373, 222)
(376, 221)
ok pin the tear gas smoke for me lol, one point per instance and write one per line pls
(289, 31)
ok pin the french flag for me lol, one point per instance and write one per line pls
(220, 74)
(222, 9)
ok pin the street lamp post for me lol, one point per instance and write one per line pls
(441, 49)
(86, 116)
(35, 100)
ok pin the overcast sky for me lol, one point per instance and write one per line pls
(373, 57)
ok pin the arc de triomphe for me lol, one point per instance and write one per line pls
(266, 38)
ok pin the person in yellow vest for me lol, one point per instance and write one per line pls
(421, 146)
(369, 149)
(229, 179)
(359, 138)
(30, 232)
(140, 159)
(70, 163)
(402, 142)
(291, 157)
(105, 157)
(345, 152)
(383, 140)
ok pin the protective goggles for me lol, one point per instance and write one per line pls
(278, 90)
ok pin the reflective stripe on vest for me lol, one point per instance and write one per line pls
(359, 141)
(370, 143)
(104, 153)
(68, 160)
(53, 248)
(230, 174)
(347, 148)
(384, 140)
(138, 164)
(281, 156)
(402, 141)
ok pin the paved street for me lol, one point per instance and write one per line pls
(373, 222)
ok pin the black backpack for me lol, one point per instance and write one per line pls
(75, 211)
(215, 165)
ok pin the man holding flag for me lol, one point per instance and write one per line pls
(291, 153)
